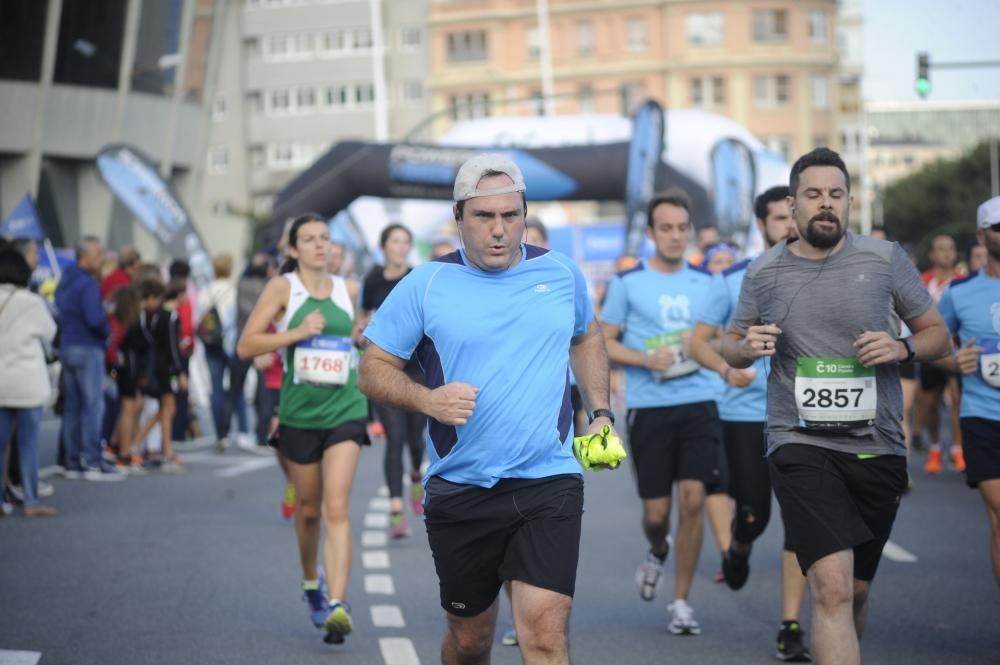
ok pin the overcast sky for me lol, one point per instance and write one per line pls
(949, 30)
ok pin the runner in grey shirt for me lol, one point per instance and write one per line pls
(822, 308)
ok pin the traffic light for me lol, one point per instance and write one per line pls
(923, 83)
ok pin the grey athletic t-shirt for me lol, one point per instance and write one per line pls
(817, 392)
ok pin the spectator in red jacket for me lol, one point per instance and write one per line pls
(129, 263)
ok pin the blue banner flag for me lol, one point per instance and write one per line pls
(23, 222)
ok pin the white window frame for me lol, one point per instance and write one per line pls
(766, 90)
(765, 24)
(407, 42)
(705, 28)
(467, 46)
(636, 34)
(818, 27)
(218, 160)
(819, 89)
(586, 41)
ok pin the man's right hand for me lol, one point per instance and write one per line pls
(312, 325)
(452, 403)
(659, 360)
(759, 341)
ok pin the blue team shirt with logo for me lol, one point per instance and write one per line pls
(971, 308)
(507, 333)
(647, 304)
(736, 404)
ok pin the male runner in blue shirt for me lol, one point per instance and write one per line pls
(674, 431)
(971, 308)
(495, 326)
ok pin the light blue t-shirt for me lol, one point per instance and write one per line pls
(656, 309)
(507, 333)
(737, 404)
(971, 308)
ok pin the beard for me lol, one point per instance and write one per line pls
(821, 238)
(993, 248)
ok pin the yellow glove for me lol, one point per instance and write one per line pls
(596, 452)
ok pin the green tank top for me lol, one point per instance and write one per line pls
(305, 404)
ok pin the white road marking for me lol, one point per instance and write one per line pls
(244, 467)
(376, 520)
(387, 616)
(380, 584)
(21, 657)
(374, 538)
(375, 560)
(382, 491)
(398, 651)
(894, 552)
(379, 504)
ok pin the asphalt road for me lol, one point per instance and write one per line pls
(200, 568)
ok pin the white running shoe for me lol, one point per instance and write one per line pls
(649, 575)
(682, 618)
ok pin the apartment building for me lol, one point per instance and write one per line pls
(770, 65)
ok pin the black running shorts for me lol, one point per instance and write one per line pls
(520, 529)
(981, 447)
(932, 378)
(674, 443)
(306, 446)
(833, 501)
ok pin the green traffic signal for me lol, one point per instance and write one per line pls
(923, 84)
(923, 87)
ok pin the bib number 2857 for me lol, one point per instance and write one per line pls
(835, 393)
(323, 361)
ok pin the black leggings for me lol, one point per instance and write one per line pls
(401, 428)
(749, 478)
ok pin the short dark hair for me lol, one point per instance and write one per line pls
(674, 196)
(387, 231)
(14, 268)
(152, 288)
(535, 223)
(81, 246)
(128, 257)
(179, 268)
(818, 157)
(968, 250)
(766, 198)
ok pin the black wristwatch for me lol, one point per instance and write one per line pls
(607, 413)
(910, 353)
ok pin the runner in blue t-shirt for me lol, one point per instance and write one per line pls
(743, 414)
(674, 431)
(971, 308)
(495, 326)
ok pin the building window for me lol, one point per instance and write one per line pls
(467, 46)
(770, 91)
(333, 41)
(584, 38)
(697, 98)
(305, 98)
(219, 109)
(708, 92)
(255, 101)
(821, 141)
(781, 145)
(705, 28)
(362, 38)
(218, 159)
(257, 157)
(364, 94)
(280, 101)
(534, 43)
(586, 97)
(632, 95)
(412, 91)
(280, 156)
(820, 86)
(770, 25)
(537, 103)
(467, 107)
(636, 39)
(336, 96)
(817, 26)
(410, 37)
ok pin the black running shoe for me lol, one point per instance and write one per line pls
(735, 569)
(790, 646)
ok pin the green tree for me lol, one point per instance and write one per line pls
(940, 198)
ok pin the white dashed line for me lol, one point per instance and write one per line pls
(380, 584)
(387, 616)
(374, 538)
(379, 504)
(30, 657)
(894, 552)
(398, 651)
(376, 520)
(375, 560)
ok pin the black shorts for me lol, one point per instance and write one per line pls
(981, 447)
(908, 371)
(306, 446)
(833, 501)
(519, 529)
(125, 379)
(672, 443)
(575, 398)
(932, 378)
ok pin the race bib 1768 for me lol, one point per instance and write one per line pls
(323, 361)
(835, 393)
